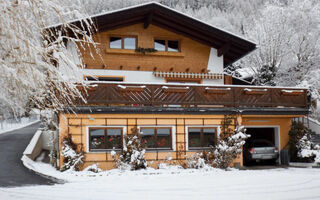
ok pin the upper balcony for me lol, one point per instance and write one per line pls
(193, 97)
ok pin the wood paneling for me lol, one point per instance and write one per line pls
(79, 135)
(193, 55)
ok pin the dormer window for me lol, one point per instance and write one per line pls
(122, 42)
(167, 45)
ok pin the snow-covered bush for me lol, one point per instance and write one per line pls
(308, 149)
(132, 155)
(93, 168)
(229, 148)
(196, 161)
(73, 160)
(298, 136)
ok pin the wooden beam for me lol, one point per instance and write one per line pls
(148, 21)
(224, 49)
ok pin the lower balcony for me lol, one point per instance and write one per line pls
(194, 98)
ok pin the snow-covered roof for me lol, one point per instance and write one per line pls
(246, 73)
(233, 47)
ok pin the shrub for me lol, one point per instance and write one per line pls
(132, 155)
(296, 133)
(73, 160)
(309, 150)
(229, 148)
(200, 160)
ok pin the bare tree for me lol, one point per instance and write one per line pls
(34, 59)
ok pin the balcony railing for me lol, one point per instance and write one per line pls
(163, 95)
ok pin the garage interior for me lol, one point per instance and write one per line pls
(266, 133)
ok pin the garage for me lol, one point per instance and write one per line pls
(262, 146)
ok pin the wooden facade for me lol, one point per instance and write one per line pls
(192, 55)
(77, 127)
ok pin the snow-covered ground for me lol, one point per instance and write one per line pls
(175, 183)
(11, 125)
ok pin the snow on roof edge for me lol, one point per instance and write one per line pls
(195, 84)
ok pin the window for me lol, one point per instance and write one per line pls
(157, 138)
(201, 137)
(103, 78)
(167, 45)
(123, 42)
(160, 45)
(115, 42)
(105, 138)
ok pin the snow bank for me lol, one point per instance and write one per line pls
(88, 174)
(9, 126)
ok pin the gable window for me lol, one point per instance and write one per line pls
(103, 138)
(115, 42)
(123, 42)
(157, 137)
(167, 45)
(201, 137)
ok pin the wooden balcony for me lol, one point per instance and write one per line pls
(210, 96)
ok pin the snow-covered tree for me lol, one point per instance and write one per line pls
(265, 75)
(73, 160)
(308, 149)
(229, 148)
(132, 155)
(32, 56)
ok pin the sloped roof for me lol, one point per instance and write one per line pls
(233, 47)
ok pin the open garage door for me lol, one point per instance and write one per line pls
(270, 134)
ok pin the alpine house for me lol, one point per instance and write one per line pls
(161, 71)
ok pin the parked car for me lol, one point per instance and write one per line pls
(261, 150)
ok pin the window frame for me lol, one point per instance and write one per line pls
(201, 135)
(85, 77)
(171, 148)
(105, 137)
(122, 41)
(166, 44)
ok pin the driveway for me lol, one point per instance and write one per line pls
(12, 171)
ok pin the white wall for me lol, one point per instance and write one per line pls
(138, 76)
(215, 63)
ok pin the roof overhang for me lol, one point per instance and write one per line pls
(180, 110)
(231, 46)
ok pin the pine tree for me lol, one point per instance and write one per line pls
(266, 75)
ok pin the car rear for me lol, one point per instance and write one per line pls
(262, 150)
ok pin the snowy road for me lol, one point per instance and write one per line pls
(271, 184)
(12, 172)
